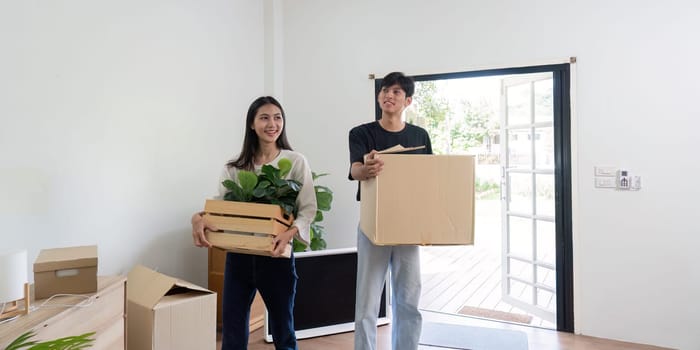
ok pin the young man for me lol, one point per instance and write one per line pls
(374, 261)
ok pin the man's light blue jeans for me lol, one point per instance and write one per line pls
(372, 264)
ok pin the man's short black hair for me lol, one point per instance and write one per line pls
(405, 82)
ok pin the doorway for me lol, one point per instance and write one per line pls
(516, 124)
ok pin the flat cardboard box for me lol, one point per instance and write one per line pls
(420, 199)
(246, 228)
(167, 313)
(71, 270)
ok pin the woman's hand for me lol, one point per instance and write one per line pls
(280, 242)
(199, 224)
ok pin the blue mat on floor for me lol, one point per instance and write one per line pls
(472, 338)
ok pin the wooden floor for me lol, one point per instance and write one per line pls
(538, 338)
(458, 276)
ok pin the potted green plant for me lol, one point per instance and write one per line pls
(270, 187)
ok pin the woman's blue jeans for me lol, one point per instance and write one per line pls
(276, 279)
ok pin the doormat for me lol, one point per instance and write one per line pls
(495, 314)
(454, 336)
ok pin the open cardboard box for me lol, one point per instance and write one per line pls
(246, 228)
(419, 199)
(167, 313)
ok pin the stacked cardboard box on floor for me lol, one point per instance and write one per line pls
(71, 270)
(246, 227)
(420, 199)
(167, 313)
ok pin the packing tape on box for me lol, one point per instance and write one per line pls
(13, 275)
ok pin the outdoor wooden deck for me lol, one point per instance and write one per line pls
(458, 276)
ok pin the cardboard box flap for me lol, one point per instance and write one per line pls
(399, 148)
(192, 287)
(148, 287)
(66, 258)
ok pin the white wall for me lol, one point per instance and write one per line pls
(636, 270)
(117, 117)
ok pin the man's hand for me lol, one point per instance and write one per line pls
(372, 166)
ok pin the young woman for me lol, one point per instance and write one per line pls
(265, 142)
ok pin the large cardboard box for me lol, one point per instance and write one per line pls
(167, 313)
(71, 270)
(420, 199)
(246, 228)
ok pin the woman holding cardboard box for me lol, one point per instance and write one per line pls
(265, 142)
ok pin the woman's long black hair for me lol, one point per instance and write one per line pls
(246, 159)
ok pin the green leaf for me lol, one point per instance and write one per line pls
(259, 192)
(280, 183)
(82, 341)
(318, 230)
(264, 184)
(67, 343)
(229, 184)
(285, 166)
(22, 341)
(235, 193)
(316, 176)
(320, 188)
(318, 244)
(323, 200)
(270, 172)
(297, 246)
(288, 208)
(248, 180)
(294, 185)
(283, 191)
(319, 216)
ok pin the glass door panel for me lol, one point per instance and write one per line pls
(528, 210)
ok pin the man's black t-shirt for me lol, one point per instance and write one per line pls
(371, 136)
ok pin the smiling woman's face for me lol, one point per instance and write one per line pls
(268, 123)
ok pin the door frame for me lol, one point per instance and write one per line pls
(561, 75)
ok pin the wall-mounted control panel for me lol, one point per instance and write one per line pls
(617, 178)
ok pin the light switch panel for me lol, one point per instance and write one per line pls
(605, 171)
(605, 182)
